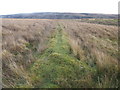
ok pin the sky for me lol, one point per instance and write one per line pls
(76, 6)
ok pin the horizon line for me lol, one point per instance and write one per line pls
(58, 12)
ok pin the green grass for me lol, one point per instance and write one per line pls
(58, 68)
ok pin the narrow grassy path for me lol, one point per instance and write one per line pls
(57, 68)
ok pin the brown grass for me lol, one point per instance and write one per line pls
(20, 39)
(25, 39)
(97, 45)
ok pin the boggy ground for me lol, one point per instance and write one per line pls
(65, 53)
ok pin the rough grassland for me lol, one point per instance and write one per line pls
(57, 67)
(59, 54)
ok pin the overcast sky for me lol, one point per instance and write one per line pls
(79, 6)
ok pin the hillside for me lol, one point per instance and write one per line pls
(53, 15)
(57, 53)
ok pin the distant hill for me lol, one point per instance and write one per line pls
(55, 15)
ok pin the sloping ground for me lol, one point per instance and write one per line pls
(76, 55)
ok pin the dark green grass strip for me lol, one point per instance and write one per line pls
(57, 68)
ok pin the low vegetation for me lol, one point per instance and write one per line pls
(59, 54)
(101, 21)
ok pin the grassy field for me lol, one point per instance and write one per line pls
(43, 53)
(101, 21)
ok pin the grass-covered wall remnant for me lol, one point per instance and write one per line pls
(59, 54)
